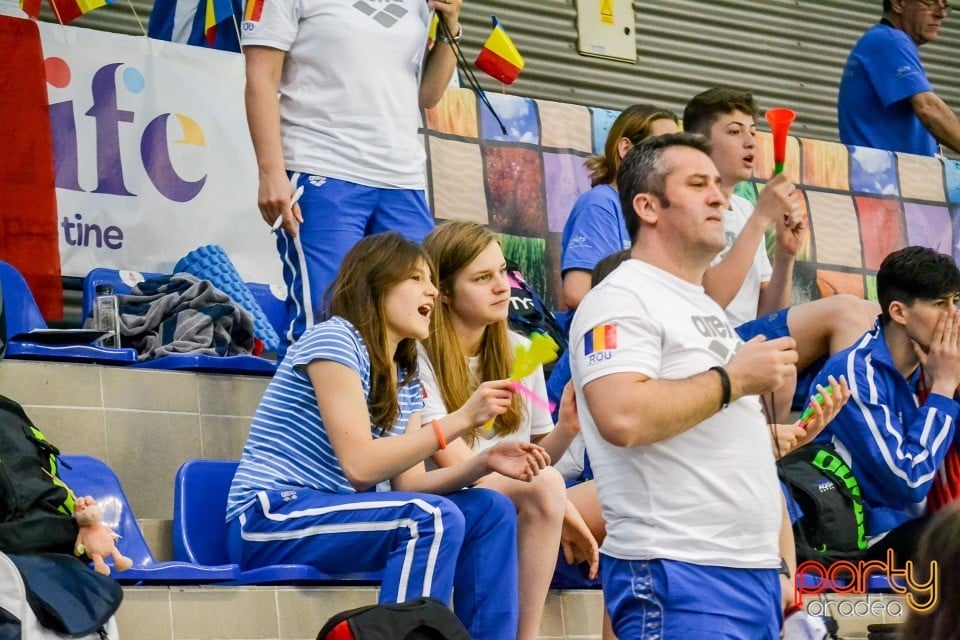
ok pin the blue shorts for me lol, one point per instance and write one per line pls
(336, 215)
(773, 325)
(671, 600)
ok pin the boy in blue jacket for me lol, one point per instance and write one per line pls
(904, 373)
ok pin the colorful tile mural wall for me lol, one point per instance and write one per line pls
(861, 203)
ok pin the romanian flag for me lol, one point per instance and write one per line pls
(216, 12)
(499, 57)
(431, 32)
(67, 11)
(31, 8)
(254, 9)
(602, 338)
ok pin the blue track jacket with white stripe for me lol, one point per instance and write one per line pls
(893, 444)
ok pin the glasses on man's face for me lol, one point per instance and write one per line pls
(934, 6)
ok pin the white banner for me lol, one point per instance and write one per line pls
(153, 157)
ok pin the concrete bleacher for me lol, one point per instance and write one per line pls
(145, 424)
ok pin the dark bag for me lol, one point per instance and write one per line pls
(419, 619)
(66, 595)
(832, 525)
(528, 313)
(36, 507)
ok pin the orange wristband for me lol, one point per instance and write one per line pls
(437, 431)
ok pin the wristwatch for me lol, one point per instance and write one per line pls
(442, 37)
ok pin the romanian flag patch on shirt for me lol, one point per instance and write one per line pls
(601, 338)
(254, 9)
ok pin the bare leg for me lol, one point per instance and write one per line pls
(824, 327)
(821, 328)
(584, 497)
(540, 508)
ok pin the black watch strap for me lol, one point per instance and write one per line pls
(784, 568)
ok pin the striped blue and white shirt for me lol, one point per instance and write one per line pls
(892, 443)
(288, 446)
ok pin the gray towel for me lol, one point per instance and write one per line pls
(181, 314)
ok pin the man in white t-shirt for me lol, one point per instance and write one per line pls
(755, 293)
(668, 403)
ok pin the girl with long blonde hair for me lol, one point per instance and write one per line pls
(469, 343)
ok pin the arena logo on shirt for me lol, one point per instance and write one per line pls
(713, 327)
(600, 342)
(385, 12)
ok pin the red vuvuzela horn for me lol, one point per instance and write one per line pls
(780, 119)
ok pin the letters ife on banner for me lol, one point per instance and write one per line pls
(152, 154)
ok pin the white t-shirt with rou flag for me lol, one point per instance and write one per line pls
(707, 496)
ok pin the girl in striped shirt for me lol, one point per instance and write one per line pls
(332, 474)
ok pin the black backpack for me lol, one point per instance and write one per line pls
(419, 619)
(832, 525)
(36, 507)
(528, 313)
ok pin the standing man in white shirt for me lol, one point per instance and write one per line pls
(676, 436)
(351, 78)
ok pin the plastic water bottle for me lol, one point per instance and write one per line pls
(106, 316)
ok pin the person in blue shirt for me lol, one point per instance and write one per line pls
(332, 471)
(903, 376)
(595, 228)
(885, 98)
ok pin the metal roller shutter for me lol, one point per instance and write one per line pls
(789, 52)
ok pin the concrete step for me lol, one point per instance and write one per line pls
(298, 613)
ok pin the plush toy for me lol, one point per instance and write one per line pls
(96, 539)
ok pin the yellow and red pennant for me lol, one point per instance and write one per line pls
(499, 57)
(65, 11)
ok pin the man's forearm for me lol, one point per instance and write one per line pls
(938, 118)
(775, 295)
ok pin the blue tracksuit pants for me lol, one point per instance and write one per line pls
(425, 544)
(336, 215)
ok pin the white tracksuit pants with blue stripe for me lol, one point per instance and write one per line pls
(425, 544)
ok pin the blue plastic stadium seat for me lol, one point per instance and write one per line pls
(23, 315)
(122, 283)
(200, 534)
(86, 475)
(274, 307)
